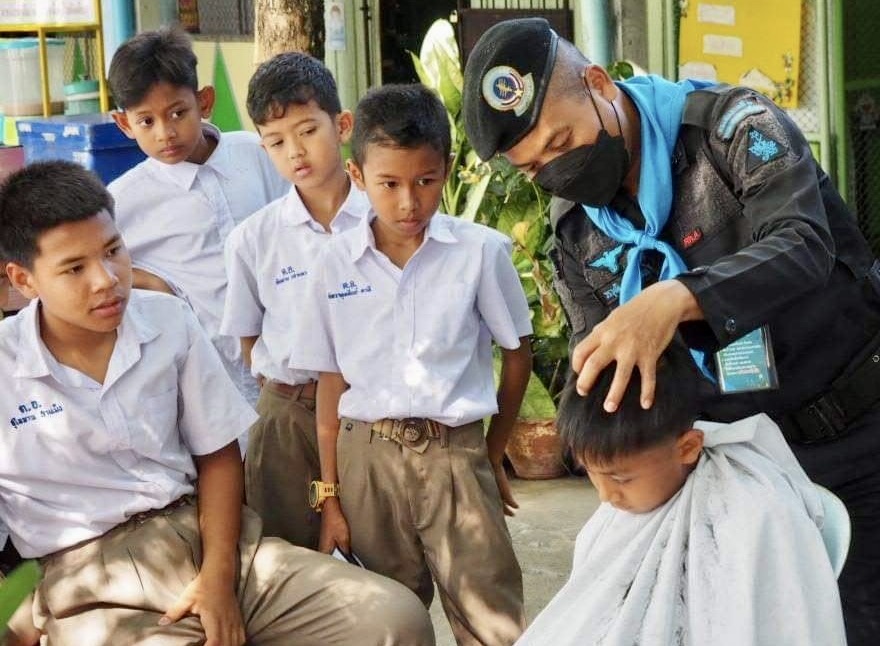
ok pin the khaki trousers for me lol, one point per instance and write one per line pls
(438, 514)
(282, 459)
(113, 590)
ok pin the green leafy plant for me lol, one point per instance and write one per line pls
(15, 589)
(494, 193)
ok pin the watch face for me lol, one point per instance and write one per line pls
(313, 494)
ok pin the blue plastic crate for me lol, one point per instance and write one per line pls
(92, 140)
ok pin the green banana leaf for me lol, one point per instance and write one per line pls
(15, 589)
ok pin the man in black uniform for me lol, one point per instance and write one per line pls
(698, 209)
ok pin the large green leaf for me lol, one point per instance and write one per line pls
(17, 586)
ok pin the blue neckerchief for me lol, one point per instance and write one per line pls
(660, 104)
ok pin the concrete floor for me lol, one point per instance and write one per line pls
(550, 515)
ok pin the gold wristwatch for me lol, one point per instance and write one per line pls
(319, 492)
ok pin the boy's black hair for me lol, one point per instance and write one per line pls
(290, 78)
(402, 116)
(591, 433)
(41, 196)
(161, 56)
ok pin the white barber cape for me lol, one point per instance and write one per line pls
(734, 558)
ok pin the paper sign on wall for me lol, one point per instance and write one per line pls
(334, 24)
(743, 42)
(51, 12)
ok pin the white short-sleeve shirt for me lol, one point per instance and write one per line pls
(175, 219)
(270, 259)
(414, 342)
(78, 457)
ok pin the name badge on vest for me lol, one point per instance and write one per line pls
(747, 364)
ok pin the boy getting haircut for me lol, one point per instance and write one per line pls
(708, 533)
(177, 207)
(270, 260)
(119, 404)
(400, 408)
(587, 430)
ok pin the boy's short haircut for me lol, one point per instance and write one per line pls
(400, 116)
(599, 437)
(41, 196)
(161, 56)
(291, 78)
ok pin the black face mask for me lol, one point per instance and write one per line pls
(590, 174)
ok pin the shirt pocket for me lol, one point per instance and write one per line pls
(157, 425)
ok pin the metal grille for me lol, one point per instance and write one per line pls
(862, 72)
(226, 17)
(810, 81)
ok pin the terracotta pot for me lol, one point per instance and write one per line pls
(535, 450)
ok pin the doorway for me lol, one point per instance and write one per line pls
(402, 26)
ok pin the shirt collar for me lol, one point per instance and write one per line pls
(355, 206)
(33, 355)
(183, 174)
(439, 229)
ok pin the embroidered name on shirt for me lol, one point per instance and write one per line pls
(692, 238)
(289, 273)
(29, 412)
(349, 288)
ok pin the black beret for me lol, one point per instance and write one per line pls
(505, 80)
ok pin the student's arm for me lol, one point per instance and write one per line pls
(334, 528)
(247, 348)
(142, 279)
(516, 368)
(211, 595)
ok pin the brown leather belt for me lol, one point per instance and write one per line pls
(293, 391)
(415, 433)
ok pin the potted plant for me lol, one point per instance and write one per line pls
(497, 195)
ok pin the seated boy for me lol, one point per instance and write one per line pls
(270, 258)
(708, 533)
(176, 208)
(402, 310)
(116, 402)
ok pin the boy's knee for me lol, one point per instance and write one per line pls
(403, 619)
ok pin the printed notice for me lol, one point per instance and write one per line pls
(722, 45)
(716, 14)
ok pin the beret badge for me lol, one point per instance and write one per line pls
(505, 89)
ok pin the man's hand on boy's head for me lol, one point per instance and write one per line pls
(213, 600)
(634, 334)
(334, 528)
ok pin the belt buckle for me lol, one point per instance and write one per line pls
(412, 431)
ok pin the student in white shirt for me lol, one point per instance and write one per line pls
(400, 321)
(176, 208)
(115, 403)
(270, 259)
(708, 533)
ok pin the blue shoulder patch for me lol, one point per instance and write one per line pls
(734, 116)
(762, 149)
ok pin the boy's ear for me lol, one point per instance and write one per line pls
(121, 119)
(355, 173)
(690, 445)
(206, 97)
(344, 125)
(22, 279)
